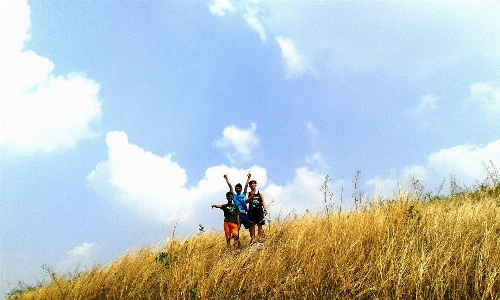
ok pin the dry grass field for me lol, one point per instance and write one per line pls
(403, 248)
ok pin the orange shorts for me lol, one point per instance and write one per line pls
(230, 229)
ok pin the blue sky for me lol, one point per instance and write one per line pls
(119, 119)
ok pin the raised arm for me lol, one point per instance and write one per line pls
(216, 206)
(228, 183)
(246, 184)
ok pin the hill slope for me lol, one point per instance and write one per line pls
(404, 248)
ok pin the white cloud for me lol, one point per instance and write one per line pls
(255, 24)
(318, 162)
(411, 39)
(84, 250)
(18, 21)
(384, 187)
(296, 64)
(78, 258)
(466, 163)
(221, 7)
(249, 9)
(486, 95)
(242, 141)
(41, 112)
(303, 193)
(154, 187)
(297, 196)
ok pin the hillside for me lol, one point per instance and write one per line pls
(404, 248)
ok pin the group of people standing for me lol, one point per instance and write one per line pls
(237, 213)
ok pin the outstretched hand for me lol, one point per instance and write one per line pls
(225, 176)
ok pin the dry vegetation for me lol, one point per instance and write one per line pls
(410, 247)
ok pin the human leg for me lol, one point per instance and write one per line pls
(245, 222)
(252, 233)
(259, 232)
(235, 234)
(227, 233)
(236, 243)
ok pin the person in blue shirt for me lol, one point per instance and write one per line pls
(239, 198)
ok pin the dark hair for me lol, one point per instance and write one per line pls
(238, 185)
(229, 193)
(252, 181)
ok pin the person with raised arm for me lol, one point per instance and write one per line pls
(239, 199)
(256, 211)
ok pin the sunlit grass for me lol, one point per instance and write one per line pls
(409, 247)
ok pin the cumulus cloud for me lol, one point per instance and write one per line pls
(302, 193)
(383, 187)
(241, 143)
(466, 163)
(41, 112)
(154, 187)
(18, 20)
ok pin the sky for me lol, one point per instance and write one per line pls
(119, 119)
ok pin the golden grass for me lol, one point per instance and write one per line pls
(399, 249)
